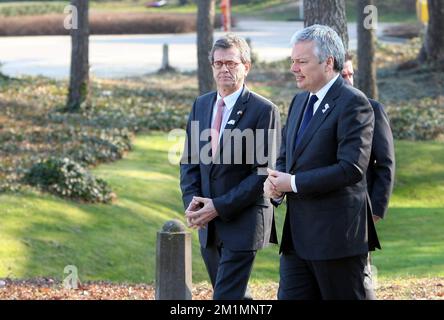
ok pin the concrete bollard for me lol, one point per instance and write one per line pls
(166, 61)
(173, 262)
(166, 67)
(165, 58)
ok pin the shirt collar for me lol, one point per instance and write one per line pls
(323, 91)
(231, 99)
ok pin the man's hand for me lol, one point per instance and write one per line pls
(280, 180)
(270, 190)
(200, 218)
(376, 218)
(192, 207)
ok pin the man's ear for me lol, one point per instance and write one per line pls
(330, 63)
(247, 67)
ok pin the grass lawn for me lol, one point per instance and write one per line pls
(41, 234)
(412, 234)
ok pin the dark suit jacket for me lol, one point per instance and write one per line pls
(329, 217)
(381, 169)
(246, 220)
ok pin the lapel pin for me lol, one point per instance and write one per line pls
(239, 112)
(230, 122)
(325, 108)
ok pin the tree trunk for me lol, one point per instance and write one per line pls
(79, 76)
(205, 18)
(434, 40)
(330, 13)
(366, 74)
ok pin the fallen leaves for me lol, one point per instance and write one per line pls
(411, 289)
(49, 289)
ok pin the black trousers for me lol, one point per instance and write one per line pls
(337, 279)
(229, 270)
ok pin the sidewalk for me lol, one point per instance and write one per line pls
(117, 56)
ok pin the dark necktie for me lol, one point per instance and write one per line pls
(307, 117)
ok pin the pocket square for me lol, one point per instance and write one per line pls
(230, 122)
(325, 108)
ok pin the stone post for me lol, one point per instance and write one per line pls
(166, 67)
(173, 262)
(165, 58)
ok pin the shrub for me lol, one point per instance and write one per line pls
(67, 178)
(108, 146)
(424, 121)
(102, 23)
(18, 9)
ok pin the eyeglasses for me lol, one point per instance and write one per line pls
(230, 64)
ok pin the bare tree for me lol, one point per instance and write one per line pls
(79, 75)
(330, 13)
(205, 23)
(433, 47)
(366, 80)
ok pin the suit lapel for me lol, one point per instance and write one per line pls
(324, 109)
(299, 102)
(206, 116)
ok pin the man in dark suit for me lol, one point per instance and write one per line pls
(222, 179)
(324, 155)
(381, 169)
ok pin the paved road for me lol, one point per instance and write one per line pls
(132, 55)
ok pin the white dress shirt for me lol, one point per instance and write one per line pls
(321, 95)
(230, 101)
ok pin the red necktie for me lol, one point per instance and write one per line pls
(215, 129)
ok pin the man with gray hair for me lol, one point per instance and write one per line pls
(325, 151)
(225, 200)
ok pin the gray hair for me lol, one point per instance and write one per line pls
(232, 41)
(327, 41)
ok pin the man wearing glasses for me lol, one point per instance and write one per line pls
(223, 197)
